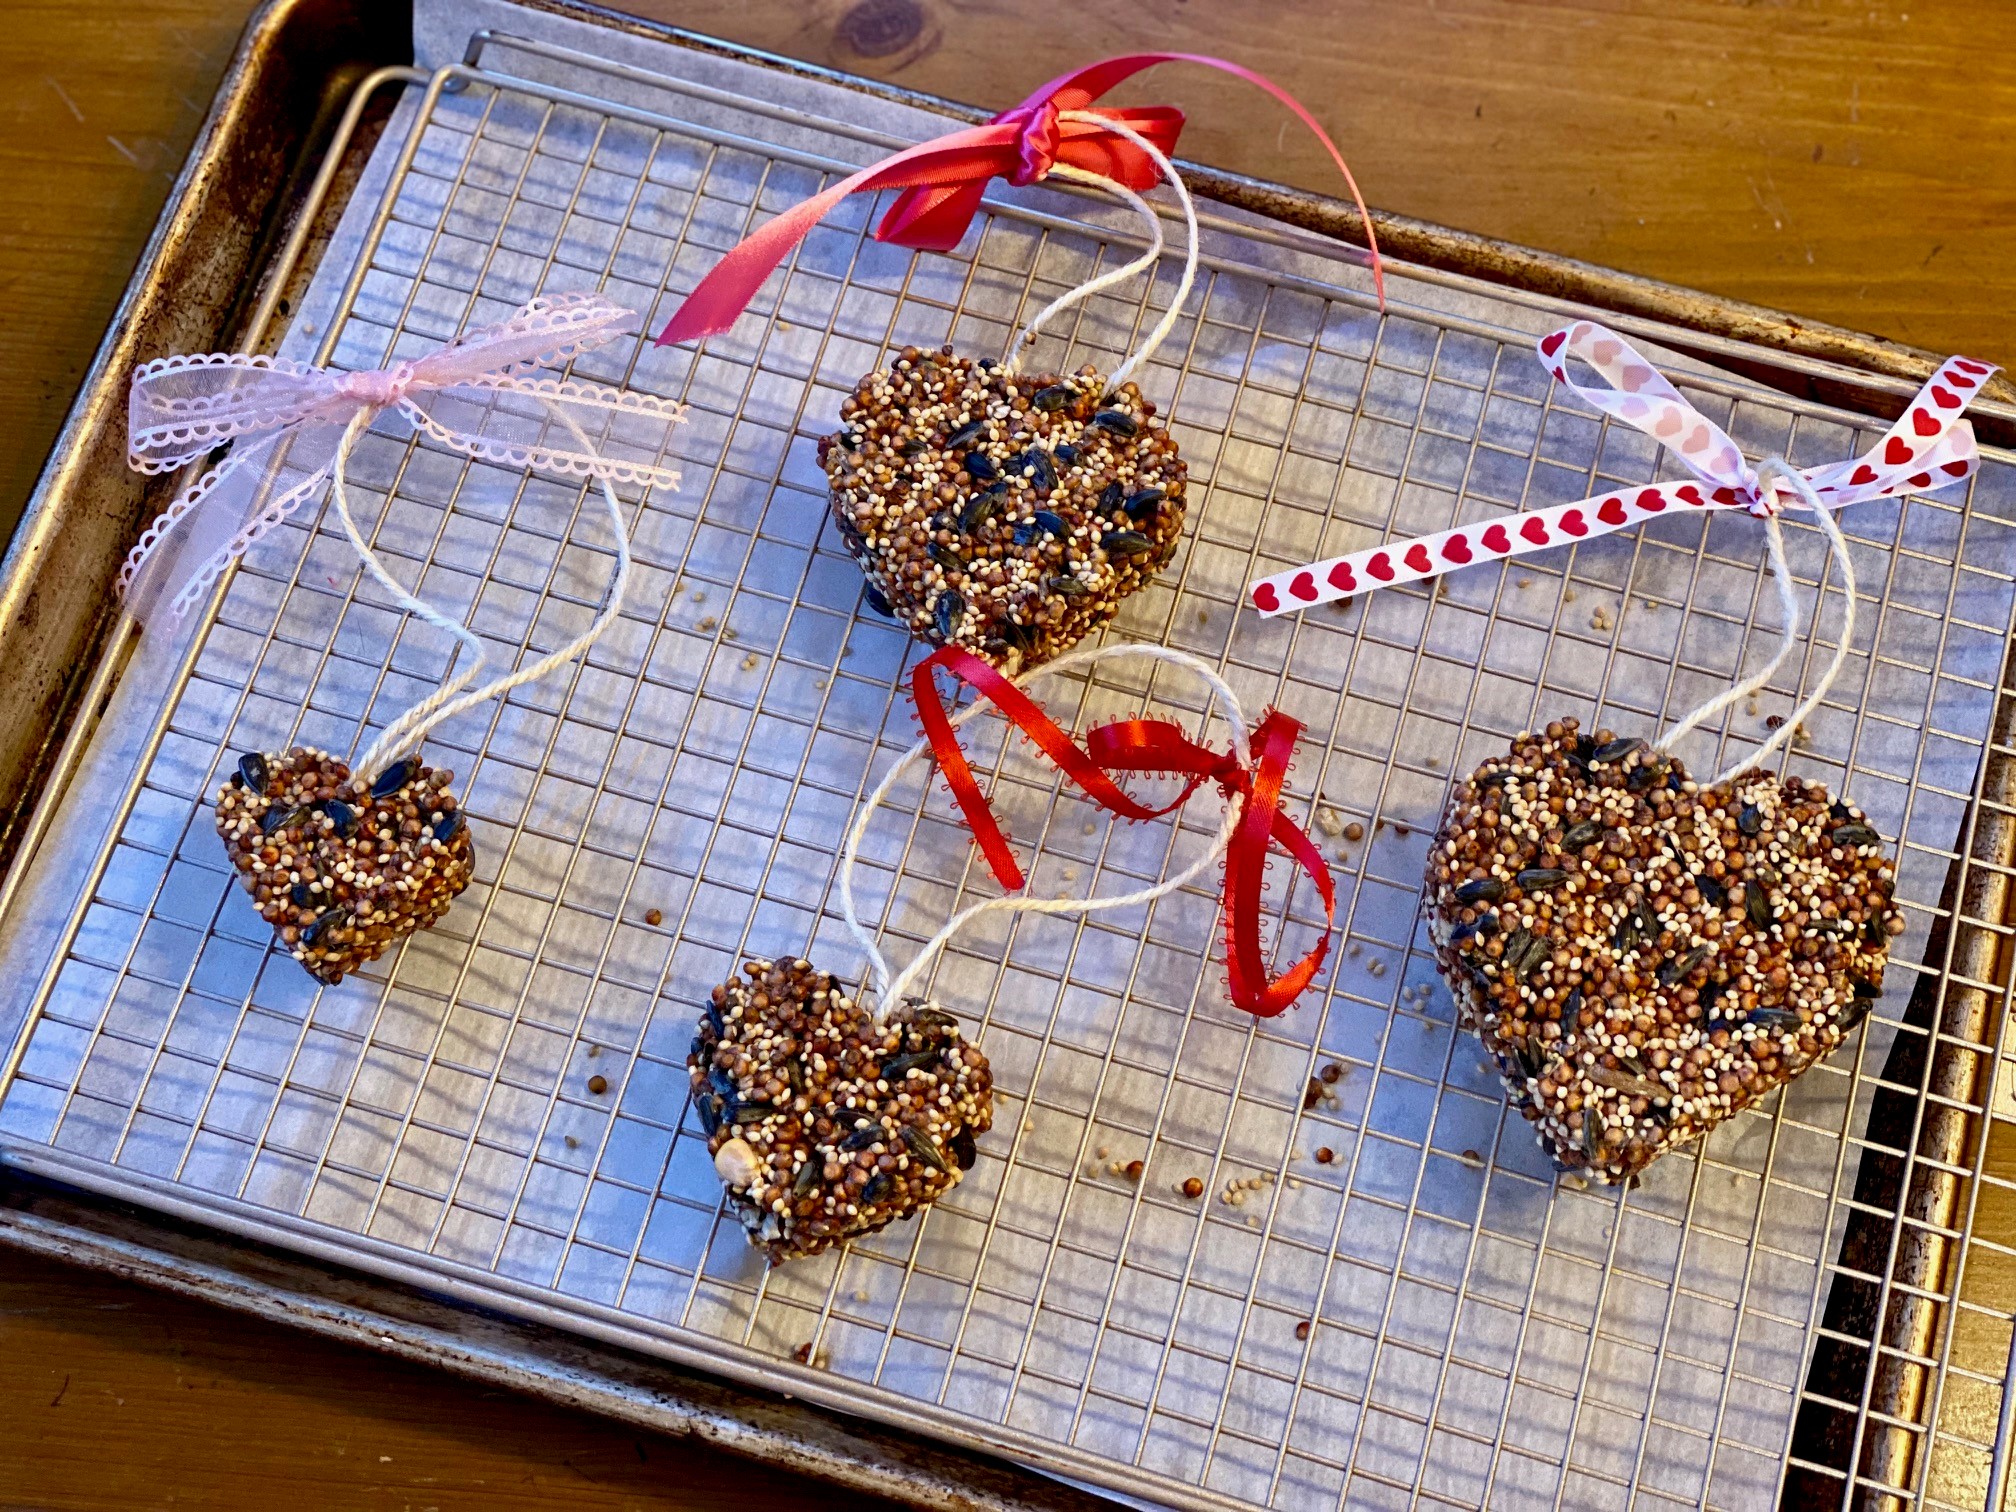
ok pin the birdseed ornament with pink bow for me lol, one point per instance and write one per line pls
(1642, 954)
(343, 862)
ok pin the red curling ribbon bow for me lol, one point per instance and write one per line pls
(942, 179)
(1148, 745)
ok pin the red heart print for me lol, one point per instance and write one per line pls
(1863, 474)
(1265, 599)
(1925, 422)
(1611, 511)
(1954, 469)
(1343, 579)
(1919, 480)
(1553, 343)
(1457, 549)
(1535, 530)
(1651, 501)
(1945, 398)
(1304, 586)
(1417, 558)
(1381, 567)
(1574, 524)
(1496, 539)
(1687, 493)
(1969, 365)
(1897, 453)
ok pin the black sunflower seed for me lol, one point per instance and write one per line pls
(878, 1185)
(1711, 993)
(1643, 776)
(710, 1113)
(276, 819)
(1112, 499)
(1515, 949)
(926, 1149)
(947, 612)
(964, 1149)
(323, 923)
(302, 894)
(1144, 505)
(1025, 532)
(1773, 1017)
(1119, 422)
(1051, 524)
(1863, 989)
(1588, 832)
(252, 767)
(1481, 889)
(981, 508)
(1592, 1134)
(1853, 836)
(1051, 399)
(748, 1113)
(341, 815)
(1617, 750)
(946, 556)
(934, 1018)
(1021, 637)
(1125, 543)
(899, 1066)
(862, 1137)
(966, 435)
(1711, 890)
(1541, 878)
(1066, 454)
(875, 600)
(916, 446)
(1757, 904)
(980, 467)
(1530, 1057)
(1678, 969)
(1571, 1011)
(808, 1176)
(1068, 587)
(394, 777)
(1538, 953)
(1874, 932)
(1839, 810)
(1033, 464)
(1748, 820)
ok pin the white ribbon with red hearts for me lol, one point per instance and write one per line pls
(1930, 446)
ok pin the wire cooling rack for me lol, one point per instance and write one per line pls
(1429, 1318)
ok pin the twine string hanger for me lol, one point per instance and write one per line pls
(887, 989)
(1026, 337)
(406, 733)
(1771, 472)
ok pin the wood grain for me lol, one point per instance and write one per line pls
(1852, 162)
(120, 1398)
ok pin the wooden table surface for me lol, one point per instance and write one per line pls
(1848, 160)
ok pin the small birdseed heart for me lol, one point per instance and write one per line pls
(1008, 516)
(341, 868)
(1644, 956)
(825, 1125)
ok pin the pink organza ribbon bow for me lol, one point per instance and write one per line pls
(283, 420)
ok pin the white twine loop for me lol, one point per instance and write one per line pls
(405, 734)
(886, 989)
(1026, 337)
(1771, 472)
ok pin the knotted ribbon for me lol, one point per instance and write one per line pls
(272, 409)
(1930, 446)
(1148, 745)
(943, 179)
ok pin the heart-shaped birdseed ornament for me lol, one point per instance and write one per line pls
(1644, 955)
(825, 1122)
(342, 868)
(1007, 515)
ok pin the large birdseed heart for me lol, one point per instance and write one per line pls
(1006, 515)
(1644, 956)
(343, 869)
(824, 1124)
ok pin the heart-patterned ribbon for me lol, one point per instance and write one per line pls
(1148, 745)
(943, 179)
(1930, 446)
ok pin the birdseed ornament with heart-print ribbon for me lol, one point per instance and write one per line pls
(1930, 446)
(1002, 512)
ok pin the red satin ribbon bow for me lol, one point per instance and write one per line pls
(1148, 745)
(942, 179)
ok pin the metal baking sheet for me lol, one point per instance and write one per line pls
(1480, 1333)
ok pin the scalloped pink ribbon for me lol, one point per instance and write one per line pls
(268, 408)
(1930, 446)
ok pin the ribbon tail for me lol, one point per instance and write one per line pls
(1245, 878)
(958, 772)
(532, 422)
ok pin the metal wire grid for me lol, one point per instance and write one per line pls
(1480, 1336)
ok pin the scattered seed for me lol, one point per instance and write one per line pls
(653, 917)
(598, 1084)
(1354, 831)
(1134, 1169)
(1192, 1187)
(708, 622)
(1325, 1155)
(1302, 1329)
